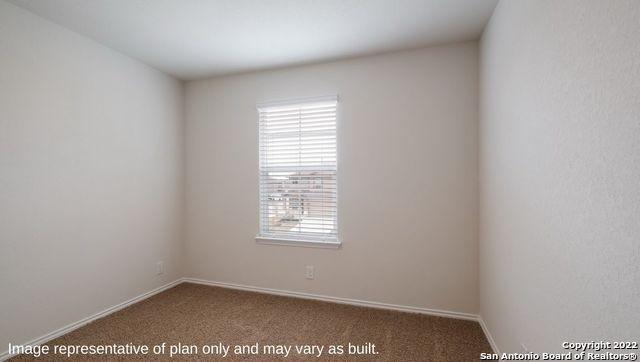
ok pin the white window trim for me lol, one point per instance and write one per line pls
(297, 101)
(319, 244)
(299, 242)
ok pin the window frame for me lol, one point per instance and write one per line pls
(294, 241)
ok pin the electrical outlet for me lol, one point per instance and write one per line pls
(309, 274)
(160, 267)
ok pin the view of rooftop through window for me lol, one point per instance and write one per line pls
(298, 170)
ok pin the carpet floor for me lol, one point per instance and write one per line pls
(205, 316)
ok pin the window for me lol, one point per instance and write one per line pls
(298, 172)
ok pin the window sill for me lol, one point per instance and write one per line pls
(302, 243)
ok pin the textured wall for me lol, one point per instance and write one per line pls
(90, 177)
(407, 180)
(560, 173)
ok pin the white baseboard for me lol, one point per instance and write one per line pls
(487, 334)
(326, 298)
(73, 326)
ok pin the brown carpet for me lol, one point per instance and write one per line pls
(201, 315)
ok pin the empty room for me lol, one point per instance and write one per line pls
(373, 180)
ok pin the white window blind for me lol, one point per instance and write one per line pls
(298, 170)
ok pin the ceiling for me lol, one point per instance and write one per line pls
(192, 39)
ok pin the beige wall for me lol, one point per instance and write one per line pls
(90, 177)
(560, 171)
(407, 182)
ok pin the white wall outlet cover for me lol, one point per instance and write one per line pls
(309, 272)
(160, 268)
